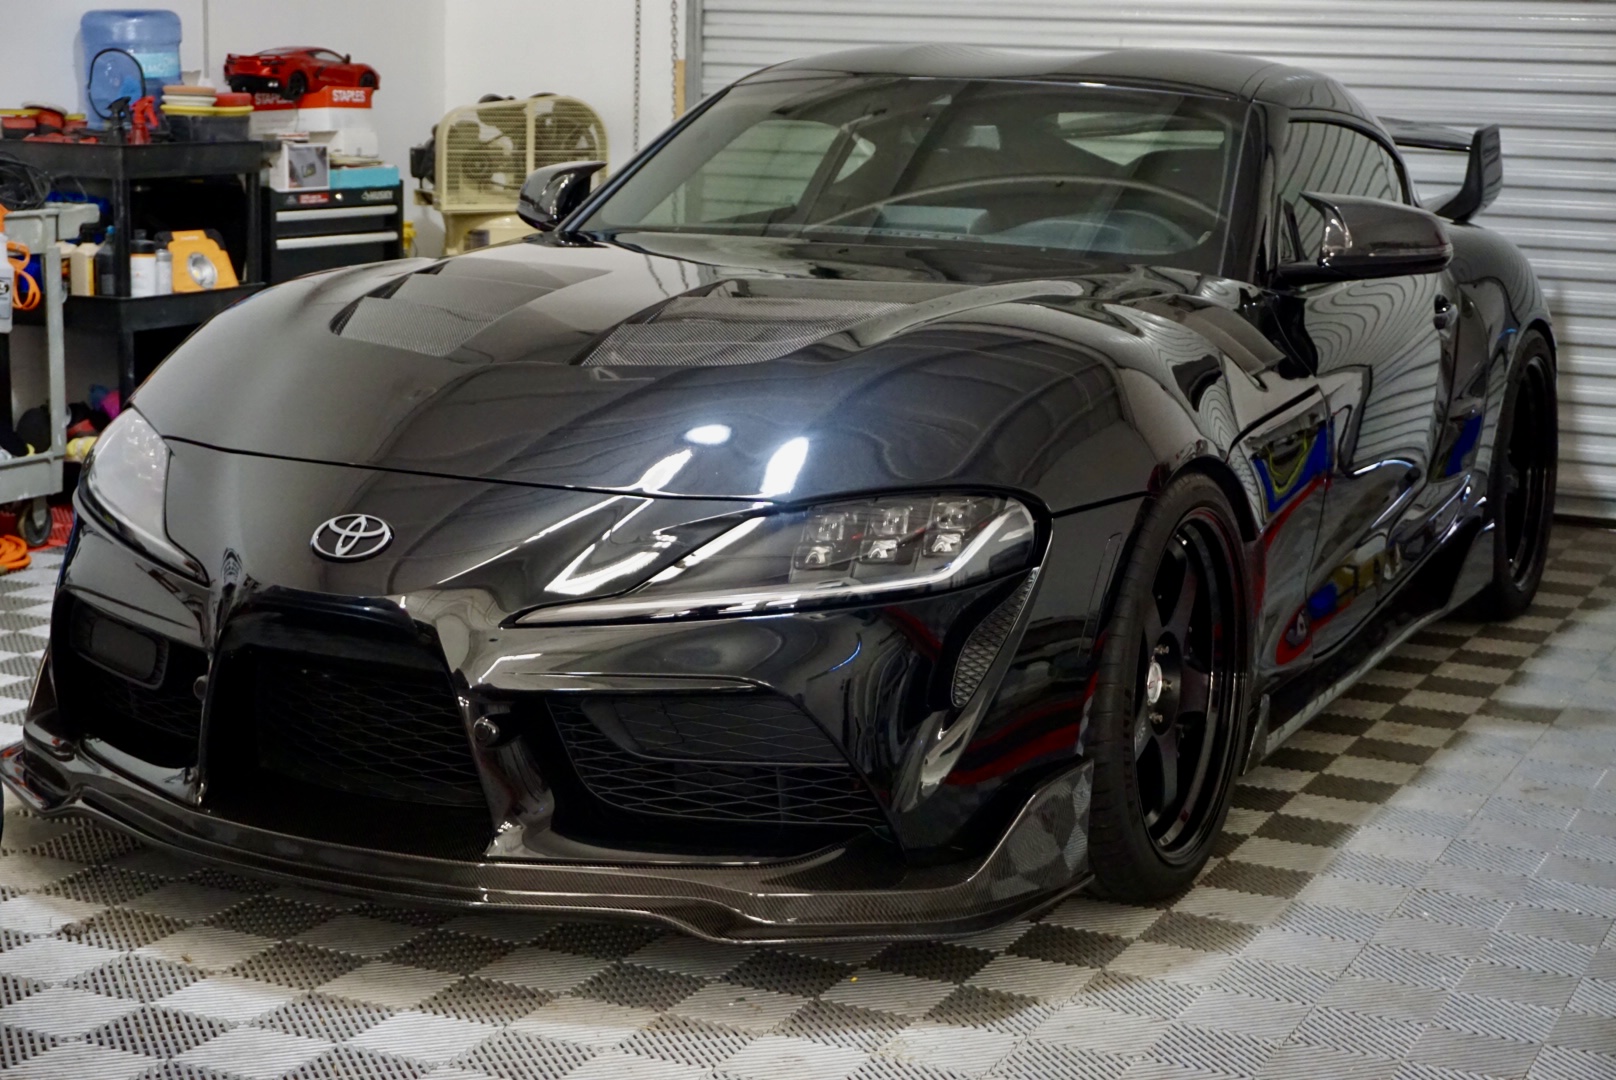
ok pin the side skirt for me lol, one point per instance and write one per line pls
(1473, 572)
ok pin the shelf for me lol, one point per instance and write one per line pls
(119, 314)
(129, 313)
(156, 161)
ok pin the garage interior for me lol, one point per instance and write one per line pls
(1420, 885)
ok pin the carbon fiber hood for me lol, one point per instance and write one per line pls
(609, 368)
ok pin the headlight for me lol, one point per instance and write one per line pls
(126, 484)
(838, 553)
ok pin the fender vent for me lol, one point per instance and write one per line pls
(983, 646)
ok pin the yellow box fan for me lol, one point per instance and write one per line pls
(485, 151)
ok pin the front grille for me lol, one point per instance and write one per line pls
(371, 730)
(751, 758)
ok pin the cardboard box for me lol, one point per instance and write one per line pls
(334, 108)
(301, 166)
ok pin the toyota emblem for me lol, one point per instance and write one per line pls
(350, 537)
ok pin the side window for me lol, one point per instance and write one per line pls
(1328, 159)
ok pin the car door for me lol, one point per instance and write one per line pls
(328, 68)
(1377, 347)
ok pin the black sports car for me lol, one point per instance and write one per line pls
(914, 488)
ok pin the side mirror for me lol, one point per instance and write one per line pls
(1370, 238)
(551, 193)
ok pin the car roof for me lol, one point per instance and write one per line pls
(1247, 78)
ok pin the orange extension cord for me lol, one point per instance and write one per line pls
(25, 296)
(13, 554)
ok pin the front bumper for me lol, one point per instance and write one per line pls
(844, 893)
(523, 820)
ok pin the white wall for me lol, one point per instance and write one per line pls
(586, 51)
(401, 39)
(39, 48)
(432, 55)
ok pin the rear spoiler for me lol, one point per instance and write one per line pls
(1483, 177)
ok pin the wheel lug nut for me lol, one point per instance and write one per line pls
(1161, 650)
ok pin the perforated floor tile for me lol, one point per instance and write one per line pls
(1420, 885)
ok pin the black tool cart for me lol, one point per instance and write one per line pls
(138, 180)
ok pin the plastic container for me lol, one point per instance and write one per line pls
(208, 129)
(152, 37)
(81, 266)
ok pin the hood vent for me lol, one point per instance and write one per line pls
(721, 331)
(431, 314)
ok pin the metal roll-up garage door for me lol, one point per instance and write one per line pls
(1543, 69)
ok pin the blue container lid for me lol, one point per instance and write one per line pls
(130, 26)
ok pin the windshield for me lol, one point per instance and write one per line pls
(1128, 175)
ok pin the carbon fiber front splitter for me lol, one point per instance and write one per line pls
(1041, 856)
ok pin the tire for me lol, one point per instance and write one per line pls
(1146, 842)
(297, 86)
(368, 80)
(1521, 485)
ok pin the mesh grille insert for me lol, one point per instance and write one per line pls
(388, 733)
(170, 709)
(722, 728)
(735, 758)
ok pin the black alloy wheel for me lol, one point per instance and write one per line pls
(1522, 485)
(297, 86)
(368, 79)
(1165, 729)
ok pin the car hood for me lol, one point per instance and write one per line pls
(733, 369)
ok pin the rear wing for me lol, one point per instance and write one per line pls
(1484, 176)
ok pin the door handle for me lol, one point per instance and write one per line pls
(1442, 316)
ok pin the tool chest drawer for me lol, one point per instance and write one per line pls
(308, 231)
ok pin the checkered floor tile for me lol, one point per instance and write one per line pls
(1421, 885)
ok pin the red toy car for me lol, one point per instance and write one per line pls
(295, 72)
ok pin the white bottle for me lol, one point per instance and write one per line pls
(142, 266)
(81, 268)
(165, 270)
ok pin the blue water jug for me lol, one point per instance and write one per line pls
(149, 58)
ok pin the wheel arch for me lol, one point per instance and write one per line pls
(1219, 471)
(1540, 324)
(1249, 573)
